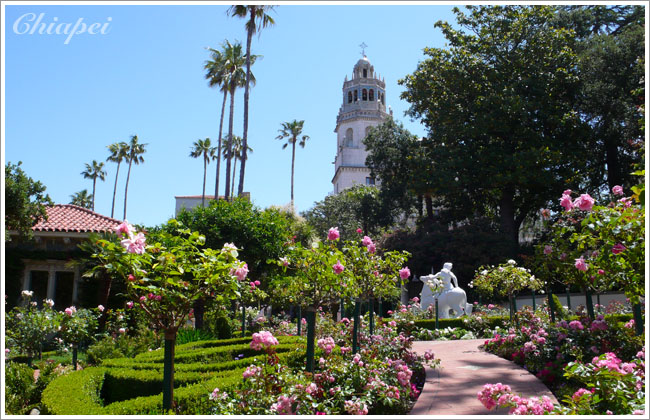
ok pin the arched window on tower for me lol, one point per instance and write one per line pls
(364, 95)
(382, 99)
(371, 95)
(356, 96)
(349, 97)
(365, 73)
(348, 137)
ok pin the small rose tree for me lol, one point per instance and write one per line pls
(505, 280)
(77, 325)
(28, 326)
(599, 247)
(315, 277)
(166, 276)
(375, 275)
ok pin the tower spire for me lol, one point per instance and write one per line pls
(363, 48)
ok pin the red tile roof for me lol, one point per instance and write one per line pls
(71, 218)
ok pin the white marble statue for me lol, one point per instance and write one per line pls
(449, 295)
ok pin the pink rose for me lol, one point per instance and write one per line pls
(627, 202)
(371, 248)
(241, 272)
(338, 267)
(566, 202)
(584, 202)
(581, 265)
(618, 248)
(404, 273)
(548, 249)
(101, 308)
(601, 272)
(131, 277)
(567, 192)
(359, 230)
(124, 228)
(129, 304)
(333, 234)
(366, 241)
(257, 283)
(617, 190)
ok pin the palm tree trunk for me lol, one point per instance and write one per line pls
(223, 111)
(249, 38)
(293, 159)
(234, 171)
(229, 149)
(205, 171)
(126, 189)
(94, 182)
(115, 188)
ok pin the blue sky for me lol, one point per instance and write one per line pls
(65, 103)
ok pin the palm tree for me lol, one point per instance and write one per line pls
(136, 150)
(82, 199)
(292, 131)
(202, 148)
(119, 152)
(217, 76)
(257, 19)
(93, 171)
(236, 77)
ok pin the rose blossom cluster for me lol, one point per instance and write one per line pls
(584, 202)
(369, 244)
(283, 405)
(327, 344)
(499, 395)
(333, 234)
(251, 371)
(133, 242)
(356, 407)
(263, 339)
(69, 311)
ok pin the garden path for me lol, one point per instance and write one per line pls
(464, 369)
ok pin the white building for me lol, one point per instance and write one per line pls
(364, 106)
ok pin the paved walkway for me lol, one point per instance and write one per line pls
(464, 369)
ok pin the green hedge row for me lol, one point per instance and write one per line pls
(132, 386)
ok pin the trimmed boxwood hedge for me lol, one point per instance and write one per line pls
(134, 385)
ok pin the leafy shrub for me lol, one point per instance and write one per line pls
(121, 346)
(189, 335)
(22, 391)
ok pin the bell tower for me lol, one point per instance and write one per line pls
(364, 106)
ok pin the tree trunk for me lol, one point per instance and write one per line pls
(103, 299)
(126, 189)
(205, 169)
(223, 111)
(311, 336)
(94, 182)
(168, 369)
(234, 171)
(229, 149)
(199, 311)
(429, 204)
(115, 188)
(507, 219)
(293, 159)
(244, 156)
(420, 199)
(613, 164)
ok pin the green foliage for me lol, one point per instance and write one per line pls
(505, 280)
(27, 326)
(560, 312)
(259, 234)
(190, 334)
(82, 199)
(499, 107)
(121, 346)
(357, 207)
(25, 201)
(78, 325)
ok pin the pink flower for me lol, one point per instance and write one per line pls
(371, 248)
(134, 245)
(491, 306)
(122, 330)
(333, 234)
(124, 228)
(566, 202)
(584, 202)
(101, 308)
(404, 273)
(131, 277)
(257, 283)
(548, 249)
(241, 272)
(263, 339)
(567, 192)
(617, 190)
(618, 248)
(143, 298)
(601, 272)
(576, 325)
(251, 371)
(366, 241)
(581, 264)
(129, 304)
(69, 311)
(359, 230)
(338, 267)
(627, 202)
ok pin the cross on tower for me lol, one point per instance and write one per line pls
(363, 48)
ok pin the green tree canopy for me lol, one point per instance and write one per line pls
(499, 107)
(25, 201)
(82, 199)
